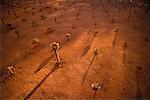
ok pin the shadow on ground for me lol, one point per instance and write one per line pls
(55, 68)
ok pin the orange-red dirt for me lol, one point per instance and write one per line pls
(37, 76)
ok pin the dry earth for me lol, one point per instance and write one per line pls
(38, 77)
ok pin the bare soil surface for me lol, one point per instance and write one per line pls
(115, 68)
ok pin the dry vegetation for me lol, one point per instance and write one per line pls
(75, 49)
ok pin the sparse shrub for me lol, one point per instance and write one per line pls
(36, 42)
(18, 33)
(10, 26)
(50, 30)
(43, 17)
(24, 20)
(34, 24)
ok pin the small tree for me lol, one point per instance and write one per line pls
(10, 26)
(17, 32)
(55, 46)
(34, 24)
(40, 10)
(15, 14)
(95, 86)
(68, 36)
(33, 13)
(43, 17)
(50, 30)
(9, 69)
(36, 42)
(24, 20)
(2, 20)
(25, 9)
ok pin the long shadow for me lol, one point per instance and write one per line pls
(56, 67)
(124, 58)
(43, 64)
(102, 84)
(87, 48)
(94, 96)
(137, 51)
(114, 41)
(5, 77)
(23, 57)
(84, 77)
(139, 95)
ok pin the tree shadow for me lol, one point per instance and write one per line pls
(55, 68)
(124, 58)
(139, 95)
(141, 53)
(42, 64)
(114, 41)
(23, 55)
(5, 77)
(84, 77)
(87, 48)
(94, 95)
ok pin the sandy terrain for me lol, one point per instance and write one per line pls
(37, 76)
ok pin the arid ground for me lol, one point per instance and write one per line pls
(122, 70)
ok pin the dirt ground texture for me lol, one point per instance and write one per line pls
(114, 67)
